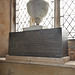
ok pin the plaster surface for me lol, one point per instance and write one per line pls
(4, 26)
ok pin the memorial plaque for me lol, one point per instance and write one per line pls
(39, 43)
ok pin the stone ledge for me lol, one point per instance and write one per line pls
(38, 59)
(68, 64)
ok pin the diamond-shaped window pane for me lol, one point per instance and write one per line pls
(68, 17)
(23, 18)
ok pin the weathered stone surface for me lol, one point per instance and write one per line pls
(4, 26)
(42, 43)
(17, 68)
(37, 9)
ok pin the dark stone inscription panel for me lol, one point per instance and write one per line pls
(41, 43)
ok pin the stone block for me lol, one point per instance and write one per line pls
(39, 43)
(35, 27)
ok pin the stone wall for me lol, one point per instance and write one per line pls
(31, 69)
(4, 26)
(71, 48)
